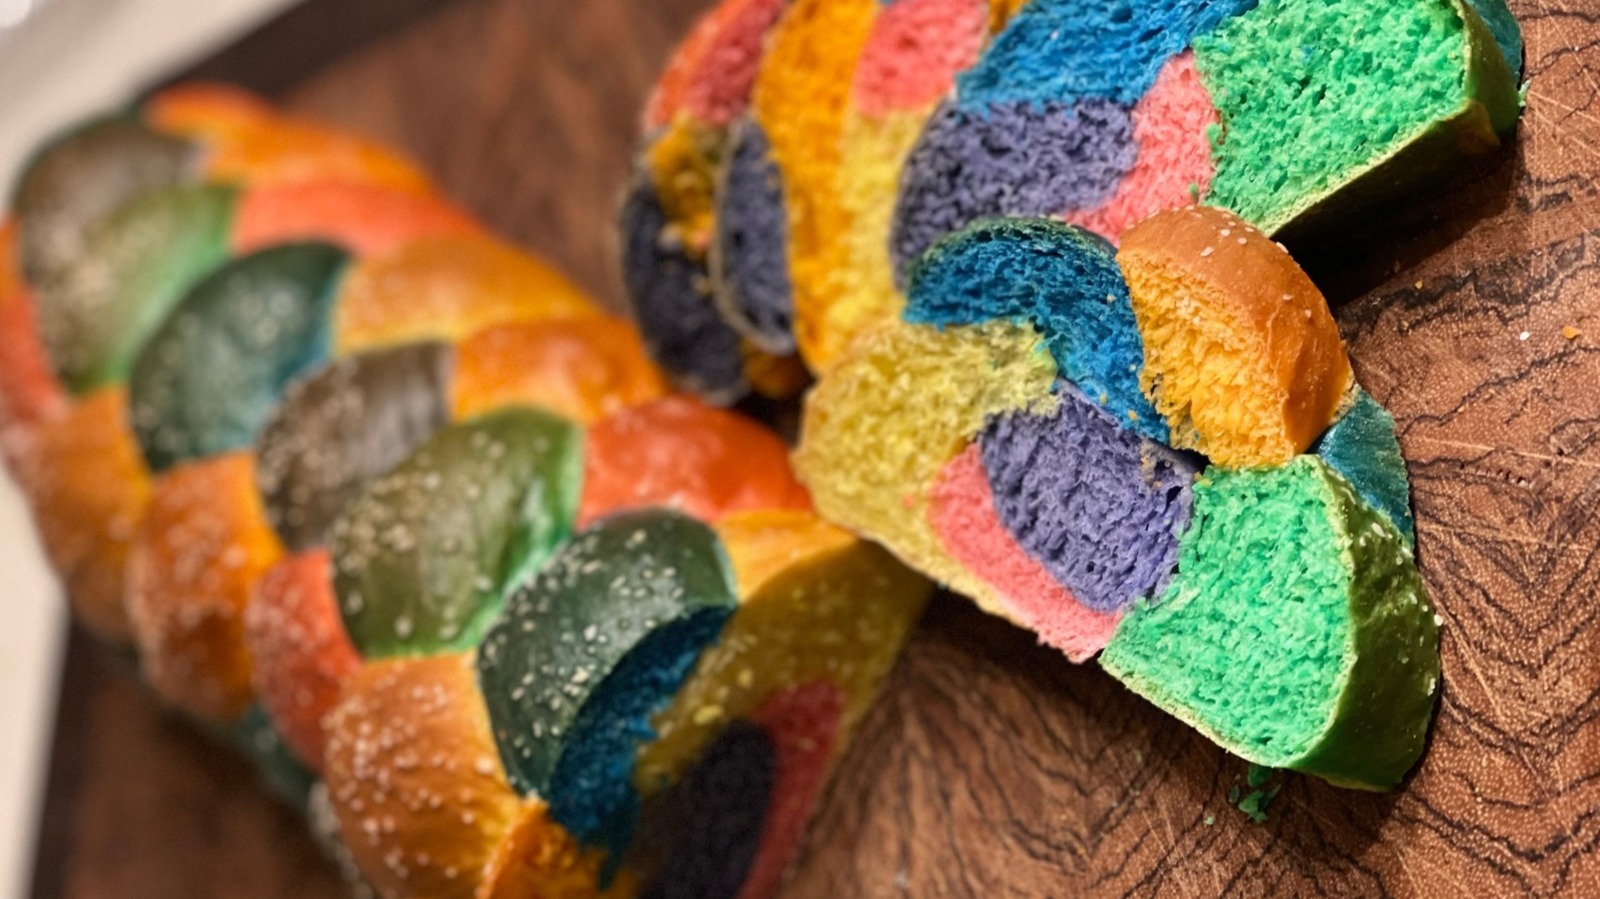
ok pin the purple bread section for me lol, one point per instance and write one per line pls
(750, 265)
(670, 294)
(1098, 506)
(1008, 160)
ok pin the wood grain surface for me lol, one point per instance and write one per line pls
(992, 768)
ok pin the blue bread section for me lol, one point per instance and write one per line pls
(671, 298)
(1507, 33)
(589, 649)
(1363, 447)
(211, 375)
(752, 258)
(591, 791)
(1062, 280)
(1069, 50)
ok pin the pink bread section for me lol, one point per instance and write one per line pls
(1171, 125)
(915, 49)
(711, 76)
(961, 511)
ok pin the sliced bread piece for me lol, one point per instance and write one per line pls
(1242, 356)
(1297, 633)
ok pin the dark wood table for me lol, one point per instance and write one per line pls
(993, 768)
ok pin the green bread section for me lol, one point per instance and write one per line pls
(1296, 634)
(423, 558)
(211, 376)
(136, 265)
(83, 175)
(600, 601)
(1350, 98)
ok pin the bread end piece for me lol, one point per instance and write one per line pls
(1297, 633)
(1242, 355)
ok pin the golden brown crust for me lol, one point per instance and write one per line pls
(202, 547)
(89, 487)
(447, 289)
(1267, 298)
(414, 777)
(764, 543)
(538, 859)
(583, 369)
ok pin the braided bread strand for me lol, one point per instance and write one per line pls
(352, 474)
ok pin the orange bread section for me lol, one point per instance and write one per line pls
(29, 390)
(448, 289)
(583, 369)
(415, 779)
(685, 455)
(207, 111)
(363, 218)
(1242, 355)
(249, 142)
(800, 99)
(89, 488)
(538, 859)
(283, 150)
(300, 653)
(204, 544)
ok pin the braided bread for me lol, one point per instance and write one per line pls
(433, 536)
(1156, 454)
(404, 511)
(871, 130)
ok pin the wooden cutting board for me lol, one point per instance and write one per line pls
(993, 768)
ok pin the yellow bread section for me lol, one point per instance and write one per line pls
(584, 369)
(538, 859)
(816, 604)
(89, 487)
(902, 403)
(414, 778)
(860, 291)
(202, 547)
(683, 165)
(800, 98)
(763, 544)
(1241, 353)
(1002, 11)
(447, 289)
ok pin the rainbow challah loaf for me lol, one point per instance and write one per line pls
(400, 508)
(1157, 454)
(433, 536)
(1026, 249)
(799, 157)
